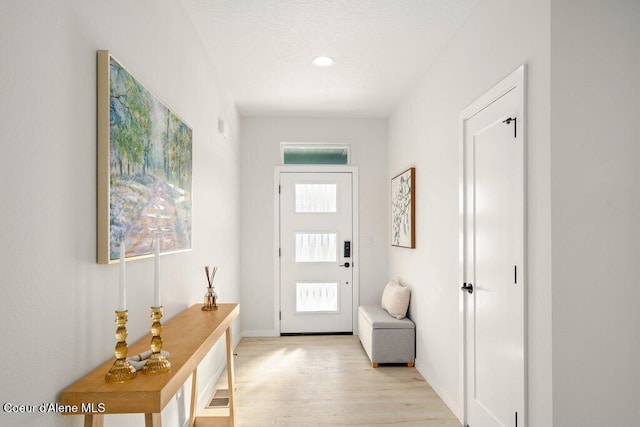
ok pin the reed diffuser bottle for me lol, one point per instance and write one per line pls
(210, 297)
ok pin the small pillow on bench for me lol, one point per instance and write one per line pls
(395, 299)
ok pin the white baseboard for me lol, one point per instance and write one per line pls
(453, 404)
(260, 333)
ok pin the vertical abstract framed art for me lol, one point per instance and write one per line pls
(403, 209)
(144, 168)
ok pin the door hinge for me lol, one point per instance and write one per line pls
(516, 419)
(280, 315)
(515, 123)
(279, 252)
(279, 189)
(515, 274)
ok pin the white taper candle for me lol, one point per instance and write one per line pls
(122, 294)
(156, 275)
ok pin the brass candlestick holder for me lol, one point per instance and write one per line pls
(157, 363)
(121, 370)
(210, 300)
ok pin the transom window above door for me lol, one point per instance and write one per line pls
(314, 154)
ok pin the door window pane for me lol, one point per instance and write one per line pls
(313, 297)
(315, 198)
(316, 247)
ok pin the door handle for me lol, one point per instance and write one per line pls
(345, 265)
(467, 287)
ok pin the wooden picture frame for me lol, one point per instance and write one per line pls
(403, 209)
(144, 169)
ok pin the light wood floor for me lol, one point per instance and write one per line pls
(328, 381)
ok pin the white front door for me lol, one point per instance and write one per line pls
(493, 260)
(316, 257)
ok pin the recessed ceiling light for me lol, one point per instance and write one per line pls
(323, 61)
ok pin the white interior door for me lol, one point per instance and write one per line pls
(316, 266)
(493, 262)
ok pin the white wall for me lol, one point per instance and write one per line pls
(497, 37)
(595, 56)
(57, 303)
(261, 137)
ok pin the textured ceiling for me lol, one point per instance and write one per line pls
(263, 50)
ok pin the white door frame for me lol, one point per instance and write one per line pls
(355, 250)
(516, 79)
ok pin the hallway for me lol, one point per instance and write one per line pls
(328, 381)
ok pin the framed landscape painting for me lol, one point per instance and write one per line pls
(144, 168)
(403, 209)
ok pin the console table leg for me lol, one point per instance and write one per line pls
(152, 420)
(230, 379)
(194, 397)
(93, 420)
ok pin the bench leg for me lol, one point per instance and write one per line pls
(375, 365)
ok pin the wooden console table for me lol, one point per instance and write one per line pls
(188, 337)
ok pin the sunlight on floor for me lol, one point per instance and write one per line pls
(328, 381)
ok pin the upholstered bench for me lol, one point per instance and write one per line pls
(385, 338)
